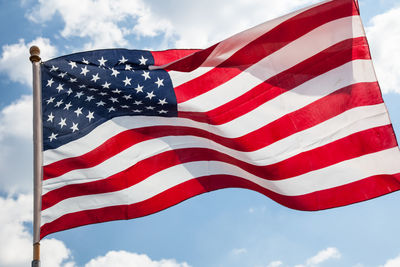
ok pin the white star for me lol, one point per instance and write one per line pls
(90, 116)
(113, 99)
(53, 68)
(73, 80)
(59, 103)
(50, 82)
(162, 102)
(72, 64)
(128, 67)
(50, 117)
(146, 75)
(138, 102)
(106, 85)
(162, 111)
(127, 81)
(139, 88)
(69, 91)
(114, 72)
(50, 100)
(159, 82)
(53, 136)
(137, 110)
(84, 70)
(82, 86)
(85, 61)
(62, 74)
(79, 94)
(74, 127)
(78, 111)
(111, 109)
(62, 122)
(150, 108)
(142, 60)
(122, 60)
(67, 106)
(60, 87)
(150, 95)
(89, 98)
(93, 89)
(102, 62)
(100, 103)
(127, 97)
(116, 91)
(124, 106)
(95, 77)
(103, 93)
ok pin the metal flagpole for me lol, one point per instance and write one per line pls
(37, 152)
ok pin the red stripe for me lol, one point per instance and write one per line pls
(356, 145)
(260, 48)
(317, 112)
(364, 189)
(329, 59)
(168, 56)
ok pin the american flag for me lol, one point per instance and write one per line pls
(290, 108)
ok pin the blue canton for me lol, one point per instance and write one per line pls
(83, 90)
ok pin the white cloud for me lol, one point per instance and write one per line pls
(184, 24)
(239, 251)
(322, 256)
(16, 119)
(124, 258)
(199, 24)
(275, 264)
(14, 60)
(384, 38)
(105, 22)
(16, 250)
(16, 146)
(55, 253)
(392, 262)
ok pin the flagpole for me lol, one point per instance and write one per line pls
(37, 152)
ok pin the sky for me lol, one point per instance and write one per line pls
(230, 227)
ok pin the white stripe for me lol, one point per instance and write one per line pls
(295, 52)
(347, 123)
(228, 47)
(352, 72)
(383, 162)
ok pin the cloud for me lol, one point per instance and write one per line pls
(322, 256)
(106, 23)
(392, 262)
(16, 146)
(16, 251)
(275, 264)
(124, 258)
(384, 36)
(14, 60)
(239, 251)
(199, 24)
(54, 253)
(177, 23)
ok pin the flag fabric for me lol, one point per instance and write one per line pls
(290, 108)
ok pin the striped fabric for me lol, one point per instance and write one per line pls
(290, 108)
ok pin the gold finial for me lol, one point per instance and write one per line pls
(35, 52)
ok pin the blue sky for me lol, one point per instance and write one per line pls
(230, 227)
